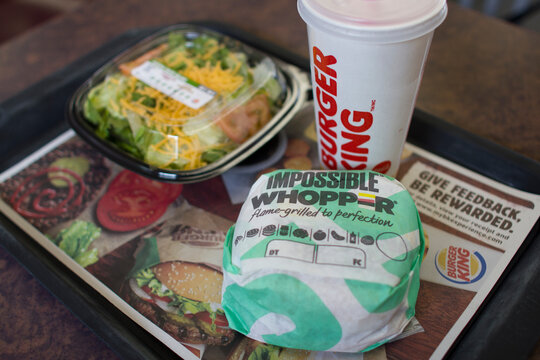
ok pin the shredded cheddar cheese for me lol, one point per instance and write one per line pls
(165, 130)
(168, 115)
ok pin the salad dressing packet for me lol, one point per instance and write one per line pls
(323, 260)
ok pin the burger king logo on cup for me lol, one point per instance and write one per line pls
(459, 265)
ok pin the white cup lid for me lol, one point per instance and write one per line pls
(375, 20)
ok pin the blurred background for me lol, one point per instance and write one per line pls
(18, 16)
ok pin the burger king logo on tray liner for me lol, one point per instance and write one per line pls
(460, 265)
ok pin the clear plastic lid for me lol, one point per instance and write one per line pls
(184, 98)
(375, 20)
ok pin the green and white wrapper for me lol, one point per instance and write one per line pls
(323, 260)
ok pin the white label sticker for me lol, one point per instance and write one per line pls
(172, 84)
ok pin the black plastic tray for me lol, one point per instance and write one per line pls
(507, 325)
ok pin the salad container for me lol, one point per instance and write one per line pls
(186, 104)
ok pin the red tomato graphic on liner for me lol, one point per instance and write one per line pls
(133, 201)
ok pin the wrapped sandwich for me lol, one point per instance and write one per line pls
(323, 260)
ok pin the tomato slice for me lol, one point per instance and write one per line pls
(133, 202)
(147, 290)
(246, 120)
(221, 320)
(163, 191)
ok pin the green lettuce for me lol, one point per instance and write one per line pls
(265, 352)
(76, 239)
(102, 110)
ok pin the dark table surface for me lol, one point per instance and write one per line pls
(482, 75)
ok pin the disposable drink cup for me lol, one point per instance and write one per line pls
(367, 60)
